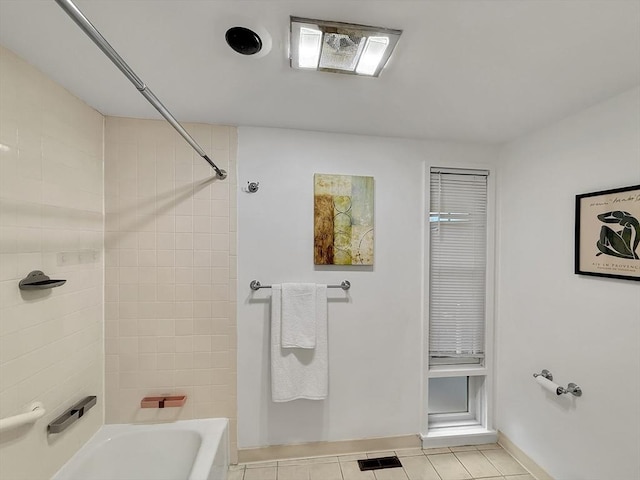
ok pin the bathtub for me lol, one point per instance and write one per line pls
(183, 450)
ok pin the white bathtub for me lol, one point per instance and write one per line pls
(184, 450)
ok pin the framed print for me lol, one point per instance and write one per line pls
(343, 220)
(608, 233)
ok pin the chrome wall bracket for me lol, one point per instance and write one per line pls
(545, 373)
(573, 389)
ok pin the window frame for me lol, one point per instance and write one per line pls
(477, 425)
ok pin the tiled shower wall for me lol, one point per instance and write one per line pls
(51, 204)
(170, 299)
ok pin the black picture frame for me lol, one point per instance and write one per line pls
(607, 233)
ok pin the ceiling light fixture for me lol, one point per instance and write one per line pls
(340, 47)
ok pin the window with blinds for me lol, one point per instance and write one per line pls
(458, 253)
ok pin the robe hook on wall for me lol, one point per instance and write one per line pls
(252, 187)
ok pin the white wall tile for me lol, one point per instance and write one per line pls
(173, 272)
(51, 219)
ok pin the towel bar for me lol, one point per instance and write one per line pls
(256, 285)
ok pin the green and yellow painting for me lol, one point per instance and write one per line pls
(343, 220)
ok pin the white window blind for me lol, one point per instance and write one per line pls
(458, 233)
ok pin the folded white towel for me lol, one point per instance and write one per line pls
(299, 372)
(298, 315)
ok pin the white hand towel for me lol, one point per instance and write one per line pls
(298, 315)
(299, 372)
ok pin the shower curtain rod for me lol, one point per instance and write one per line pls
(87, 27)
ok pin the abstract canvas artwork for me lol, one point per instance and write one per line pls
(343, 220)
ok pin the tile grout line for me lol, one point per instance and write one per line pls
(433, 466)
(465, 468)
(504, 474)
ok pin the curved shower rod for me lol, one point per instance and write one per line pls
(87, 27)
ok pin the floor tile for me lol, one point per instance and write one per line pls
(448, 467)
(352, 457)
(236, 474)
(351, 471)
(419, 468)
(314, 460)
(292, 462)
(489, 446)
(325, 471)
(477, 464)
(264, 473)
(261, 464)
(387, 453)
(433, 451)
(463, 448)
(293, 472)
(307, 461)
(504, 462)
(390, 474)
(481, 462)
(409, 452)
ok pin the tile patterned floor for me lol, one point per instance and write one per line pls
(482, 462)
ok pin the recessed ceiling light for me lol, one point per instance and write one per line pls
(340, 47)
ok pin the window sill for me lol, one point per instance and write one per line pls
(457, 436)
(438, 371)
(448, 420)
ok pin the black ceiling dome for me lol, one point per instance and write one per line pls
(243, 40)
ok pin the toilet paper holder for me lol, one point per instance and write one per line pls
(571, 388)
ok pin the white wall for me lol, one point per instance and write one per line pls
(584, 329)
(375, 330)
(170, 271)
(51, 220)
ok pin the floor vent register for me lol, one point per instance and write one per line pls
(379, 463)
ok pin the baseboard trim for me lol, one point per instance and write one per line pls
(536, 470)
(319, 449)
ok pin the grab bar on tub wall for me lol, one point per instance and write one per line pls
(36, 411)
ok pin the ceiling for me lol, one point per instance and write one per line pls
(464, 70)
